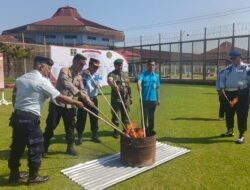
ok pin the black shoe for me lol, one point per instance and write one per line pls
(116, 134)
(96, 139)
(15, 175)
(79, 141)
(45, 154)
(71, 151)
(228, 134)
(38, 179)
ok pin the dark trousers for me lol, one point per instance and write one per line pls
(53, 119)
(26, 132)
(241, 108)
(118, 107)
(222, 108)
(149, 111)
(82, 117)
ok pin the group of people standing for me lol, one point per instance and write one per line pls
(33, 88)
(233, 86)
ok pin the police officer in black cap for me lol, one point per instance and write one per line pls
(69, 83)
(32, 89)
(235, 86)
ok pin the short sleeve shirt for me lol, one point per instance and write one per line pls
(32, 91)
(150, 83)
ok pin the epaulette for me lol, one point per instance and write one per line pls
(229, 68)
(67, 72)
(79, 77)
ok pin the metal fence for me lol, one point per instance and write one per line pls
(197, 54)
(186, 55)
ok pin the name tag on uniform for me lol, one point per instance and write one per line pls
(239, 70)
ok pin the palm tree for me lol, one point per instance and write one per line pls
(13, 52)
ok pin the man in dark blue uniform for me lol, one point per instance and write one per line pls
(32, 89)
(235, 85)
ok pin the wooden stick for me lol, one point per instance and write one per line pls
(123, 104)
(106, 117)
(113, 110)
(108, 102)
(142, 115)
(86, 109)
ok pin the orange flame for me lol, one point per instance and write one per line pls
(134, 132)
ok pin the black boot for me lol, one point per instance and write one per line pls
(35, 178)
(15, 175)
(46, 147)
(116, 134)
(70, 150)
(79, 140)
(95, 138)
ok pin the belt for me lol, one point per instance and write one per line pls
(26, 113)
(234, 89)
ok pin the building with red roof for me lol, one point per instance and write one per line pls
(66, 27)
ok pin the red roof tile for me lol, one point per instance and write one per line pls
(8, 38)
(68, 16)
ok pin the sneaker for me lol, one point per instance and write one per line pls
(38, 179)
(228, 134)
(240, 140)
(221, 118)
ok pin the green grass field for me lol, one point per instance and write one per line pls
(187, 117)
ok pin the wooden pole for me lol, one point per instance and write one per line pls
(142, 115)
(92, 113)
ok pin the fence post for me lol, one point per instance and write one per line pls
(141, 53)
(233, 39)
(160, 61)
(24, 60)
(180, 55)
(205, 54)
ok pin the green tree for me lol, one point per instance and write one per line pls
(12, 53)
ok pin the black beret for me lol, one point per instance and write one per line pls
(43, 60)
(79, 57)
(94, 62)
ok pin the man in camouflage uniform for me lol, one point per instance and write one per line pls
(119, 81)
(69, 83)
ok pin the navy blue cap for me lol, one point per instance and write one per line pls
(43, 60)
(229, 60)
(234, 53)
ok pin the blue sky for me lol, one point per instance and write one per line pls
(122, 15)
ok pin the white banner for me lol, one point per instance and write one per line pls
(1, 73)
(63, 57)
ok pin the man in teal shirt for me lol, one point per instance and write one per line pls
(148, 84)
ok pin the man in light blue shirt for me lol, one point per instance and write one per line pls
(31, 91)
(91, 83)
(221, 97)
(235, 86)
(149, 84)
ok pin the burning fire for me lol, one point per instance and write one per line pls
(233, 102)
(134, 132)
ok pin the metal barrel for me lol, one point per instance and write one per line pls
(138, 152)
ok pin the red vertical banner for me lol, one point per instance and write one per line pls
(1, 73)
